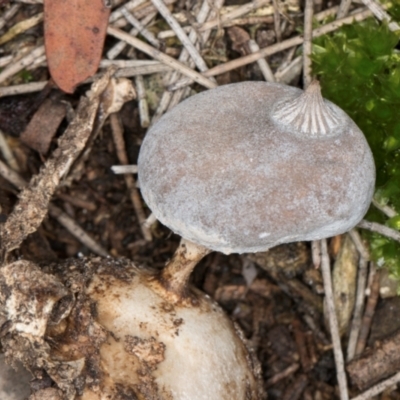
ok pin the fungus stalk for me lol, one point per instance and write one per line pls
(175, 275)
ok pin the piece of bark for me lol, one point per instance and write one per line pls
(43, 125)
(377, 363)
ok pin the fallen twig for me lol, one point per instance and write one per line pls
(379, 228)
(333, 323)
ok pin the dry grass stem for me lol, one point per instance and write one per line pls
(118, 137)
(307, 42)
(74, 229)
(158, 55)
(381, 229)
(291, 71)
(9, 14)
(143, 106)
(358, 308)
(262, 62)
(166, 98)
(381, 14)
(333, 322)
(236, 13)
(379, 388)
(286, 44)
(277, 21)
(5, 60)
(21, 27)
(369, 311)
(24, 62)
(120, 46)
(282, 375)
(343, 9)
(124, 169)
(130, 6)
(7, 153)
(316, 253)
(149, 36)
(187, 43)
(387, 210)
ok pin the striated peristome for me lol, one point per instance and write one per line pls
(247, 166)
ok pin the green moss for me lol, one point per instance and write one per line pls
(359, 69)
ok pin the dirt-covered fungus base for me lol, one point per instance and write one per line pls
(247, 166)
(105, 329)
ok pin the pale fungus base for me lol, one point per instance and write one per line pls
(231, 170)
(105, 329)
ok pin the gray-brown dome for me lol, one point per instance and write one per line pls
(233, 170)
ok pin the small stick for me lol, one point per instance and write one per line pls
(158, 55)
(361, 248)
(130, 6)
(236, 13)
(124, 169)
(295, 389)
(387, 210)
(7, 153)
(282, 375)
(381, 229)
(166, 99)
(316, 253)
(307, 44)
(381, 14)
(173, 23)
(278, 47)
(120, 46)
(21, 27)
(72, 227)
(277, 21)
(14, 68)
(358, 308)
(124, 72)
(118, 136)
(379, 388)
(315, 329)
(343, 8)
(143, 106)
(368, 314)
(301, 346)
(10, 13)
(262, 62)
(333, 323)
(149, 36)
(61, 217)
(5, 60)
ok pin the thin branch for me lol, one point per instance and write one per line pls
(118, 136)
(61, 217)
(149, 36)
(262, 62)
(124, 169)
(10, 13)
(120, 46)
(379, 388)
(158, 55)
(333, 322)
(358, 308)
(14, 68)
(21, 27)
(381, 229)
(381, 14)
(286, 44)
(343, 9)
(173, 23)
(388, 211)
